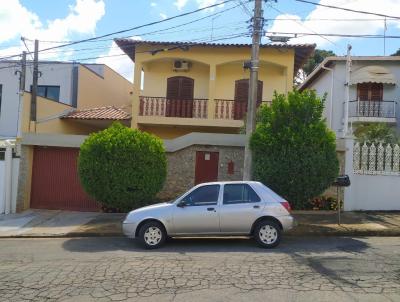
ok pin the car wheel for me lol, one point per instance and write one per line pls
(267, 234)
(152, 235)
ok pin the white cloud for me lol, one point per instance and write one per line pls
(180, 4)
(367, 26)
(163, 16)
(19, 21)
(153, 4)
(119, 61)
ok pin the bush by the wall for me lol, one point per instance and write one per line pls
(121, 167)
(294, 151)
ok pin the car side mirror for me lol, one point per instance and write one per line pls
(181, 204)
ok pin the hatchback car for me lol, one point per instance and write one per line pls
(216, 208)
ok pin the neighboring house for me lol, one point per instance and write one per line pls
(203, 87)
(374, 170)
(374, 90)
(74, 100)
(70, 85)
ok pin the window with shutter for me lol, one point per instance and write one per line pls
(180, 91)
(242, 96)
(370, 92)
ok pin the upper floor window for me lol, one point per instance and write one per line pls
(370, 92)
(180, 88)
(48, 91)
(242, 90)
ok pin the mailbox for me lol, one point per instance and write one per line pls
(342, 181)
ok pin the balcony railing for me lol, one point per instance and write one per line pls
(378, 109)
(161, 106)
(231, 109)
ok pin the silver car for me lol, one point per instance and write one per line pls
(215, 208)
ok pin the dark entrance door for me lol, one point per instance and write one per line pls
(242, 96)
(180, 92)
(206, 167)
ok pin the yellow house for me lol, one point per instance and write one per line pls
(181, 87)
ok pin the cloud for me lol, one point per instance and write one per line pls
(163, 16)
(349, 26)
(119, 61)
(19, 21)
(180, 4)
(153, 4)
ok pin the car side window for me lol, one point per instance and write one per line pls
(239, 193)
(203, 196)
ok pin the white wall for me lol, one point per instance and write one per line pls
(2, 193)
(373, 192)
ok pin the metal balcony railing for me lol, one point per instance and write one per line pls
(163, 107)
(379, 109)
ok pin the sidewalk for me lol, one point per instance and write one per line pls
(46, 223)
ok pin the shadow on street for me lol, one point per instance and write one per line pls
(217, 245)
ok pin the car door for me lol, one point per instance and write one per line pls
(200, 214)
(241, 206)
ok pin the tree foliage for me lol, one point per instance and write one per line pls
(318, 56)
(376, 133)
(397, 53)
(294, 151)
(122, 167)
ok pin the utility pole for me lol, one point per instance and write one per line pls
(347, 92)
(253, 83)
(35, 82)
(22, 77)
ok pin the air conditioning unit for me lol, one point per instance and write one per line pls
(180, 65)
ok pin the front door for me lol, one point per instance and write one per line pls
(200, 213)
(180, 92)
(240, 207)
(206, 167)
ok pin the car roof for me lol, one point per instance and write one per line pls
(229, 182)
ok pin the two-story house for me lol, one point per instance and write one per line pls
(194, 96)
(373, 90)
(73, 100)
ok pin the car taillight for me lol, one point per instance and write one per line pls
(286, 205)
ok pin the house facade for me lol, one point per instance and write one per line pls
(180, 88)
(73, 100)
(374, 90)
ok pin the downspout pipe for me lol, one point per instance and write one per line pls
(331, 95)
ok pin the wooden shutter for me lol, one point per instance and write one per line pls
(242, 97)
(376, 91)
(173, 88)
(180, 92)
(370, 92)
(362, 91)
(259, 92)
(242, 90)
(186, 90)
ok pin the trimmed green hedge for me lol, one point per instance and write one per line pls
(121, 167)
(294, 151)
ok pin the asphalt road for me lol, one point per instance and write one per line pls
(115, 269)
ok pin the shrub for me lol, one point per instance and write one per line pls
(294, 152)
(121, 167)
(376, 133)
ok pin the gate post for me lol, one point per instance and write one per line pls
(348, 170)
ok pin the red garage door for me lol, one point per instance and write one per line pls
(55, 183)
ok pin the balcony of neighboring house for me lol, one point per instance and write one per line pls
(375, 101)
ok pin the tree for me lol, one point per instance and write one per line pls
(376, 133)
(397, 53)
(318, 56)
(294, 152)
(122, 167)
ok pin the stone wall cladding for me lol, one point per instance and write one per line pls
(24, 178)
(181, 168)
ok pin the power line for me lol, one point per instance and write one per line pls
(348, 9)
(132, 28)
(333, 35)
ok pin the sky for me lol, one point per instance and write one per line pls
(56, 22)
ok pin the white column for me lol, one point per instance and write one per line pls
(8, 178)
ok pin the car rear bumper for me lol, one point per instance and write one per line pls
(129, 229)
(287, 222)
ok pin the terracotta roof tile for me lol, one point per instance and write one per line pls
(100, 113)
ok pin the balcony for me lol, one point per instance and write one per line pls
(372, 111)
(196, 112)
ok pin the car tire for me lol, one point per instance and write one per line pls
(267, 233)
(152, 235)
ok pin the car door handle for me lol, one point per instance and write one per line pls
(211, 209)
(256, 207)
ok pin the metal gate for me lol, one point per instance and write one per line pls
(55, 181)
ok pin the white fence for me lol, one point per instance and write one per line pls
(374, 171)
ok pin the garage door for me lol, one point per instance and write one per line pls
(55, 183)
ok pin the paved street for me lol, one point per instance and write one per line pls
(115, 269)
